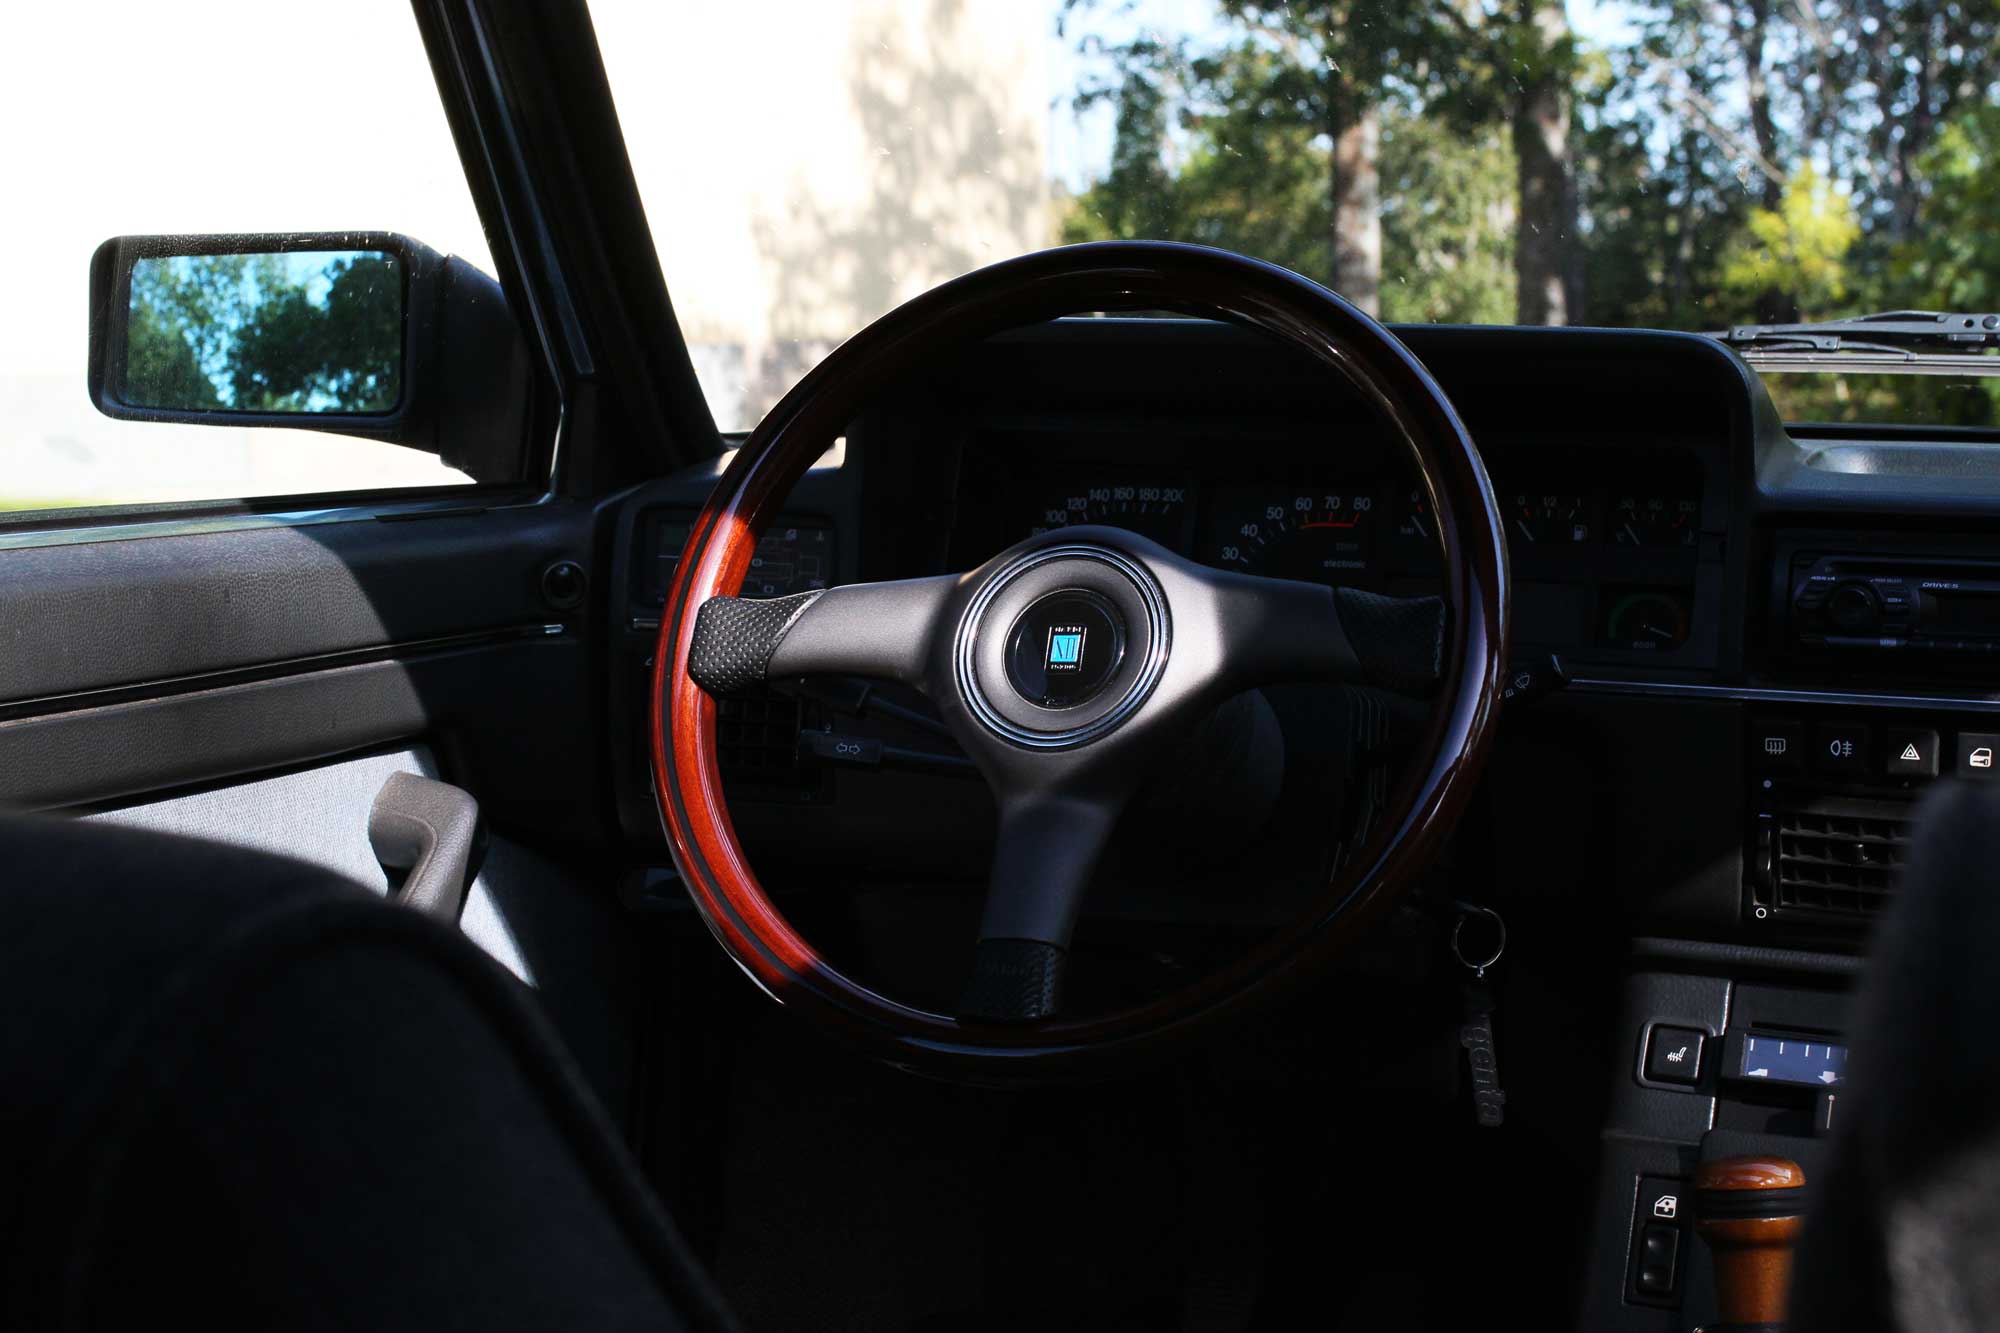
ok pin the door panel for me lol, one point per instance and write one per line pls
(144, 665)
(89, 614)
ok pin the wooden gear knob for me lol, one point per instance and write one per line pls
(1750, 1211)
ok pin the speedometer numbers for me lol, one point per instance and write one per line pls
(1158, 512)
(1320, 536)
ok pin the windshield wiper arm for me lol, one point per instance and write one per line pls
(1889, 331)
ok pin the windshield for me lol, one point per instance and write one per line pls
(1682, 165)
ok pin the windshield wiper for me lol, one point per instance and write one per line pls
(1889, 331)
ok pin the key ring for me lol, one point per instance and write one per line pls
(1465, 912)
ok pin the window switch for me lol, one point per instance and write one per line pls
(1674, 1055)
(1659, 1259)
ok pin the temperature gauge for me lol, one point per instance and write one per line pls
(1655, 520)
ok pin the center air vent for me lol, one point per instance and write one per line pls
(1832, 858)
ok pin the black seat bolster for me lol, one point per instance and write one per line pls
(253, 1090)
(1907, 1219)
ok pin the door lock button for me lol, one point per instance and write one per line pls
(1976, 755)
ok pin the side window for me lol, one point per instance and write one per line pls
(227, 118)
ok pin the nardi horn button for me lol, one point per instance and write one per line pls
(1064, 649)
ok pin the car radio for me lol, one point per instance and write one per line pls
(1912, 604)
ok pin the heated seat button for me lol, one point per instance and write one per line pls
(1975, 754)
(1910, 752)
(1841, 747)
(1674, 1056)
(1659, 1259)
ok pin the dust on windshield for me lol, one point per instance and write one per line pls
(1676, 165)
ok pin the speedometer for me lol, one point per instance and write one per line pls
(1152, 510)
(1321, 535)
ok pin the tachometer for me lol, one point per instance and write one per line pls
(1320, 536)
(1152, 510)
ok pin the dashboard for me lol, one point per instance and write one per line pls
(1607, 536)
(1771, 647)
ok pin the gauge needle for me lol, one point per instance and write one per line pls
(1522, 525)
(1633, 535)
(1417, 522)
(1658, 632)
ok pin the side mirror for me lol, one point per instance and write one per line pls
(361, 333)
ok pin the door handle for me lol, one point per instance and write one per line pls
(429, 829)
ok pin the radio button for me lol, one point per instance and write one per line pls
(1910, 752)
(1977, 753)
(1840, 748)
(1854, 607)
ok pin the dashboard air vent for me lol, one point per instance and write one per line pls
(1838, 857)
(757, 739)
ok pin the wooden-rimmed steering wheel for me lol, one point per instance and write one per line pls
(1067, 662)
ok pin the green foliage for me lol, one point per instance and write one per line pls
(266, 333)
(1799, 248)
(1740, 161)
(341, 353)
(1251, 172)
(161, 367)
(1447, 223)
(1952, 261)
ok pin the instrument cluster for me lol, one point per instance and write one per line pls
(1350, 531)
(1604, 542)
(1319, 531)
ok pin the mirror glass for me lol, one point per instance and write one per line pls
(306, 331)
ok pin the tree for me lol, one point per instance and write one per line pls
(301, 350)
(1538, 62)
(1799, 247)
(1312, 75)
(266, 332)
(1446, 218)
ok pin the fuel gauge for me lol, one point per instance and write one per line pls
(1548, 518)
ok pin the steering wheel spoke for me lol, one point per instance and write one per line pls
(1048, 849)
(881, 630)
(1265, 631)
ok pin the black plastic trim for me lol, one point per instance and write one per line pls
(49, 705)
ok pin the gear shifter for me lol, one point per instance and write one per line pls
(1750, 1211)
